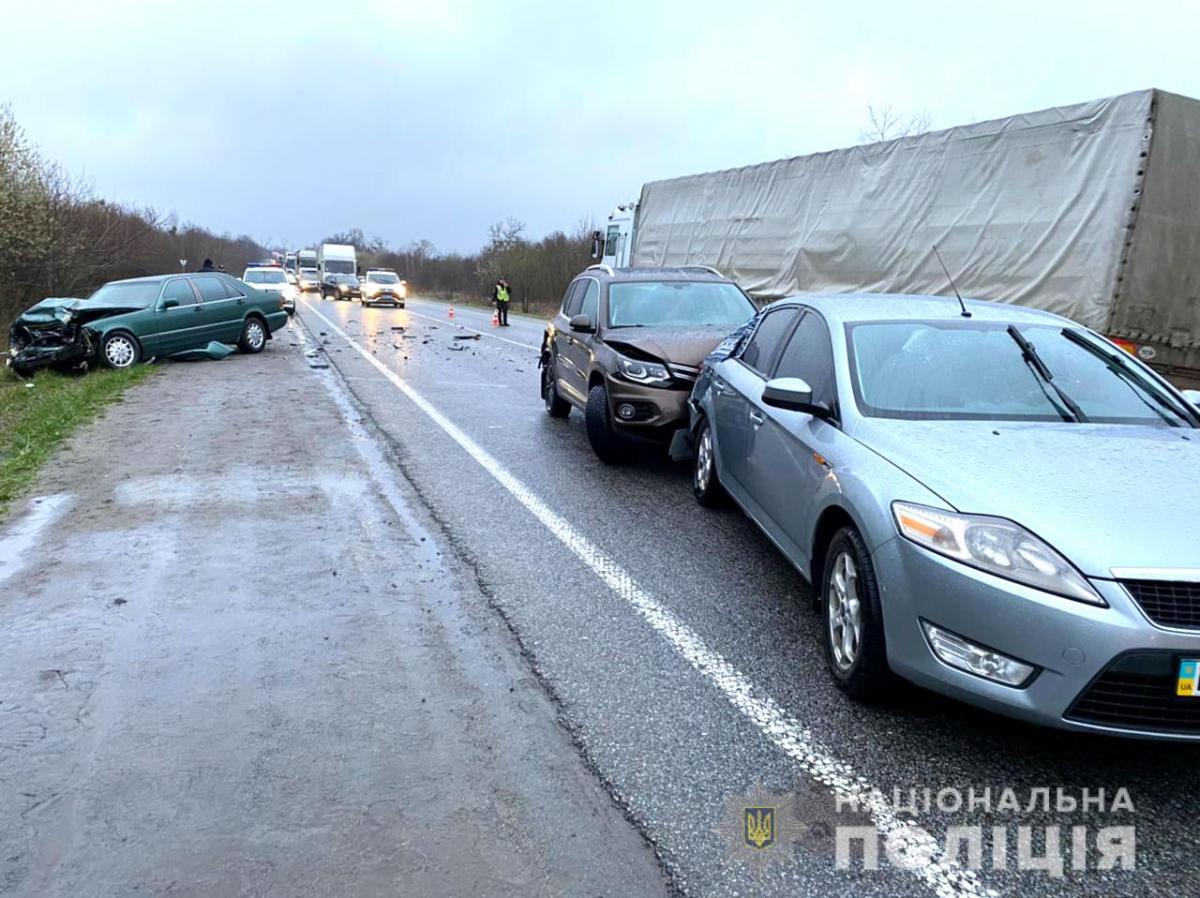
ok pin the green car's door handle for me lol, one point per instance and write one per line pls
(242, 301)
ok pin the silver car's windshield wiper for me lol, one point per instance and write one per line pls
(1045, 377)
(1138, 385)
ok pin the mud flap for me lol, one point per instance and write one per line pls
(683, 446)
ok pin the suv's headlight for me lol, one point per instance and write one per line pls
(650, 373)
(995, 545)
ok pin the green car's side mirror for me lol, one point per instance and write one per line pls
(169, 304)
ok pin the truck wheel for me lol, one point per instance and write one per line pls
(254, 336)
(855, 652)
(556, 406)
(120, 350)
(608, 445)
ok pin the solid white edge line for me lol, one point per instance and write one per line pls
(925, 858)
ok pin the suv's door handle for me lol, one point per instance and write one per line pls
(719, 388)
(756, 419)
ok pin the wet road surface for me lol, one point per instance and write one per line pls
(683, 652)
(241, 659)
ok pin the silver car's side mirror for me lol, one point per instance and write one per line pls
(790, 393)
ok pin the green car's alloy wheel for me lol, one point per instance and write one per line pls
(254, 336)
(120, 350)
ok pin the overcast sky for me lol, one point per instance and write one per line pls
(432, 120)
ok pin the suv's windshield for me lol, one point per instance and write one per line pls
(977, 370)
(677, 304)
(344, 279)
(271, 276)
(135, 294)
(382, 277)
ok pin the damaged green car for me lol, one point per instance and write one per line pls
(125, 322)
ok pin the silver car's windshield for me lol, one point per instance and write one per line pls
(677, 304)
(382, 277)
(975, 370)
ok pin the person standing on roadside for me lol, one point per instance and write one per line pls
(501, 296)
(208, 265)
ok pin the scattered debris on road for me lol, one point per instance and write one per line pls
(466, 336)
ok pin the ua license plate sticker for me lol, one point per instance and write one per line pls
(1188, 684)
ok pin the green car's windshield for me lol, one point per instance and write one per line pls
(135, 294)
(677, 304)
(977, 370)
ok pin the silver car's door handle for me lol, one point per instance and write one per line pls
(756, 419)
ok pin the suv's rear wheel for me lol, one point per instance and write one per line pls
(608, 445)
(556, 406)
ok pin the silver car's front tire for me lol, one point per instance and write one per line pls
(706, 487)
(855, 650)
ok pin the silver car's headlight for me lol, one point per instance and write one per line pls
(650, 373)
(995, 545)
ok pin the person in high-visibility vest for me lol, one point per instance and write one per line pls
(501, 296)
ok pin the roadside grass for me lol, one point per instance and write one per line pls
(35, 419)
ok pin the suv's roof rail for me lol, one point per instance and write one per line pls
(707, 268)
(607, 269)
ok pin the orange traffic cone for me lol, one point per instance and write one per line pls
(450, 314)
(495, 317)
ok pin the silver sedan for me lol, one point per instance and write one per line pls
(991, 502)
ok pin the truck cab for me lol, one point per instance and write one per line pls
(613, 245)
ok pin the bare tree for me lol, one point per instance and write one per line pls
(887, 124)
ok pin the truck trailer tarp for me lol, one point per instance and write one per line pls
(1091, 211)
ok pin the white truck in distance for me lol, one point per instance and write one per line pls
(336, 258)
(307, 278)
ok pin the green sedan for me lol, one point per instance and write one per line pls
(125, 322)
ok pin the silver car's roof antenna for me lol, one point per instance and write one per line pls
(961, 304)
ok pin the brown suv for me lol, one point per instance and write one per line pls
(626, 347)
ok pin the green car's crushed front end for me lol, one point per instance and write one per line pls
(55, 334)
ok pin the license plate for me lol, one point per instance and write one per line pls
(1188, 684)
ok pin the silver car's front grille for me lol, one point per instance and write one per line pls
(1166, 602)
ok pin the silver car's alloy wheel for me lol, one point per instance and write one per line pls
(255, 336)
(120, 351)
(704, 461)
(844, 612)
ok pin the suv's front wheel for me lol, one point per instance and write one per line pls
(610, 447)
(556, 406)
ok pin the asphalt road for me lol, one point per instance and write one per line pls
(682, 653)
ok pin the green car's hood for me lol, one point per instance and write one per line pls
(59, 308)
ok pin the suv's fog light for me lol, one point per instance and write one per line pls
(983, 662)
(626, 411)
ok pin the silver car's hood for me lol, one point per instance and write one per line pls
(1106, 496)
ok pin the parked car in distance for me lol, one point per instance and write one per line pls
(341, 286)
(991, 502)
(625, 349)
(382, 285)
(308, 279)
(273, 280)
(125, 322)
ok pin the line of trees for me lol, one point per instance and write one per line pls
(57, 238)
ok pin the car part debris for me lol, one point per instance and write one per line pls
(215, 351)
(467, 336)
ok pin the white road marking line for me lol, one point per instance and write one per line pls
(926, 859)
(452, 323)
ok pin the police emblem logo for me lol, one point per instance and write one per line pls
(760, 827)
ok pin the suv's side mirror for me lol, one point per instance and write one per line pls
(794, 395)
(169, 304)
(582, 324)
(1192, 396)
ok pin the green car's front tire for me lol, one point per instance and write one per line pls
(254, 336)
(120, 350)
